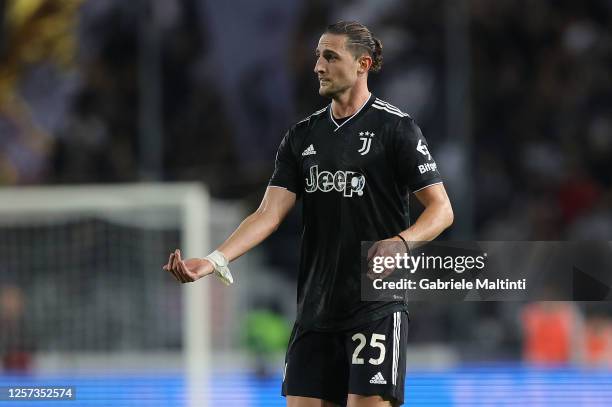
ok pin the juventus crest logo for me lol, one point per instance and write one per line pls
(366, 137)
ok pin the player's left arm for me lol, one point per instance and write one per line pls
(437, 216)
(417, 170)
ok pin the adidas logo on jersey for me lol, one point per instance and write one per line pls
(378, 379)
(309, 151)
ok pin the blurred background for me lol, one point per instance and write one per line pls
(514, 97)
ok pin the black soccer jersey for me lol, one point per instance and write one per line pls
(354, 180)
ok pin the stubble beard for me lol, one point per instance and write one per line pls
(331, 91)
(326, 91)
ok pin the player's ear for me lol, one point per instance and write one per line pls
(365, 62)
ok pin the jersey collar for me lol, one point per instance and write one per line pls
(362, 109)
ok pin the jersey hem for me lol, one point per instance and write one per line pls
(354, 323)
(436, 181)
(294, 190)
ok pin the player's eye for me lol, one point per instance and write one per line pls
(330, 57)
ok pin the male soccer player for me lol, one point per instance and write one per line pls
(353, 164)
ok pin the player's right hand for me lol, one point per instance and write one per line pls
(188, 270)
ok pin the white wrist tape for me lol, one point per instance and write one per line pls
(220, 265)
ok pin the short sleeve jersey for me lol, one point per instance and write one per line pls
(353, 179)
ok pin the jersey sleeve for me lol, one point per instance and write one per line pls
(415, 167)
(286, 171)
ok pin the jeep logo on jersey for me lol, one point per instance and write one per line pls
(367, 142)
(347, 182)
(422, 148)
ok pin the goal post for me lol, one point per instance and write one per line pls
(106, 227)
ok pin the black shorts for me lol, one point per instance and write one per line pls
(369, 360)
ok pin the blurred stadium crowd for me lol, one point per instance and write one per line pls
(81, 82)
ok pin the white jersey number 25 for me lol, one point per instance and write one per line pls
(376, 341)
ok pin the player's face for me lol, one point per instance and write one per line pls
(336, 66)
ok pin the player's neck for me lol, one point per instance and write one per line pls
(349, 102)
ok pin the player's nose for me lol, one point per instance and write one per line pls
(319, 66)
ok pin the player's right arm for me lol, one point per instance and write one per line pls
(278, 200)
(274, 207)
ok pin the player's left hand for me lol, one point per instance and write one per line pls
(384, 248)
(188, 270)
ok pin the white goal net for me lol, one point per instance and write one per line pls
(84, 264)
